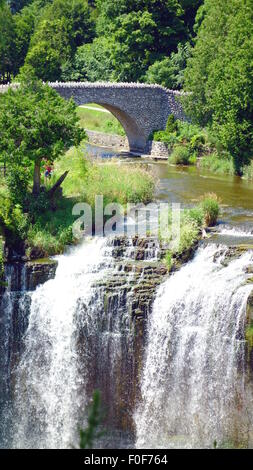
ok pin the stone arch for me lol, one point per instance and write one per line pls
(135, 135)
(140, 108)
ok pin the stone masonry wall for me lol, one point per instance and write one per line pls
(153, 148)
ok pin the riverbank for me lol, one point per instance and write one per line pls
(48, 229)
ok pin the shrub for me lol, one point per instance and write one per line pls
(189, 233)
(186, 131)
(220, 165)
(196, 214)
(210, 207)
(168, 259)
(172, 124)
(180, 155)
(247, 171)
(197, 142)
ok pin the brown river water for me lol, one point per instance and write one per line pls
(186, 185)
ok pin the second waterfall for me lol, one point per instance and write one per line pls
(194, 391)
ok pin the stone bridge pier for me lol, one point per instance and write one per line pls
(140, 108)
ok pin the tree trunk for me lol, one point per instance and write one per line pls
(36, 177)
(58, 183)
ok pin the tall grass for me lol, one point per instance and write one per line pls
(117, 182)
(216, 164)
(192, 221)
(248, 171)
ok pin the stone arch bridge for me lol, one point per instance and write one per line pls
(140, 108)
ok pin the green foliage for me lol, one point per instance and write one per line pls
(13, 221)
(169, 260)
(180, 155)
(92, 62)
(190, 8)
(210, 207)
(192, 221)
(187, 141)
(247, 171)
(36, 123)
(131, 36)
(196, 214)
(169, 72)
(95, 417)
(17, 5)
(172, 124)
(18, 178)
(25, 22)
(197, 142)
(7, 44)
(221, 165)
(63, 26)
(249, 336)
(140, 32)
(189, 234)
(219, 76)
(118, 183)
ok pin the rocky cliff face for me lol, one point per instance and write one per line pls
(126, 298)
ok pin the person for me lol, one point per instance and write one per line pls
(48, 171)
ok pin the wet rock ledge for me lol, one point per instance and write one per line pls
(26, 276)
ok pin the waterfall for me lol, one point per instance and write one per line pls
(193, 384)
(50, 380)
(14, 308)
(88, 327)
(80, 337)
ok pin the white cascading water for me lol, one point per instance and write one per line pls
(193, 390)
(50, 387)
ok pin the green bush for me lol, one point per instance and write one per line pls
(189, 234)
(219, 165)
(197, 142)
(180, 155)
(168, 259)
(172, 124)
(210, 207)
(18, 178)
(196, 214)
(247, 171)
(163, 136)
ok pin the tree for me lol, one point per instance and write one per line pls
(92, 62)
(17, 5)
(190, 8)
(35, 124)
(26, 22)
(169, 72)
(7, 43)
(219, 75)
(49, 49)
(64, 26)
(140, 33)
